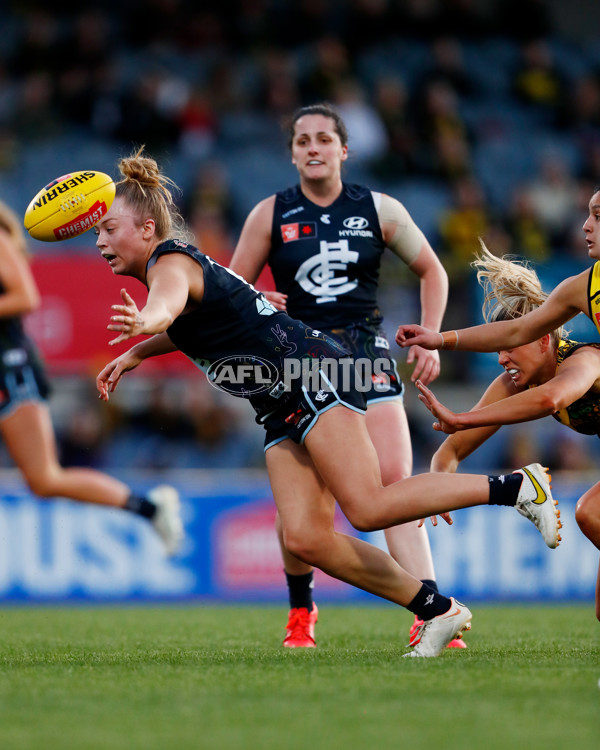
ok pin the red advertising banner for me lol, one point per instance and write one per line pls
(70, 325)
(247, 554)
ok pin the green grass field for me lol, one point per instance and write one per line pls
(212, 677)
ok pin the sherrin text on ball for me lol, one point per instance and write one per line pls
(69, 205)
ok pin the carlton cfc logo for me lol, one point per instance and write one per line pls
(325, 275)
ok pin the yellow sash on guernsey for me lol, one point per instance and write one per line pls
(594, 294)
(562, 415)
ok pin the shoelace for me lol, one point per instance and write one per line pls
(299, 622)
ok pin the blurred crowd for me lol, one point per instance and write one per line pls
(484, 126)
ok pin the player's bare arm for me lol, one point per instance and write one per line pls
(566, 301)
(108, 378)
(574, 378)
(19, 290)
(174, 284)
(404, 238)
(252, 250)
(461, 444)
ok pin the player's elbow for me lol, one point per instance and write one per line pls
(435, 273)
(34, 299)
(444, 465)
(447, 457)
(550, 402)
(27, 302)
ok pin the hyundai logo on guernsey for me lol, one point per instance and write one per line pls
(356, 226)
(355, 222)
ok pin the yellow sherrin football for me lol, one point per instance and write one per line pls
(69, 206)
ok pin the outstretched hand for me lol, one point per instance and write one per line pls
(427, 364)
(446, 419)
(415, 335)
(107, 379)
(128, 319)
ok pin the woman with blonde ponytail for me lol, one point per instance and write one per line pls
(310, 402)
(565, 373)
(511, 288)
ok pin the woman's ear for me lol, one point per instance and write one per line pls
(148, 228)
(545, 343)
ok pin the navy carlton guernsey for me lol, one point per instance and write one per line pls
(234, 320)
(327, 259)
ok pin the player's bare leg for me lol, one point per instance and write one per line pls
(343, 453)
(407, 543)
(587, 515)
(306, 508)
(29, 436)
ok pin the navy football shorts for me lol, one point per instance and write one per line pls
(22, 384)
(330, 386)
(367, 341)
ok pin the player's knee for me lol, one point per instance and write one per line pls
(584, 516)
(41, 484)
(305, 544)
(367, 524)
(361, 507)
(363, 519)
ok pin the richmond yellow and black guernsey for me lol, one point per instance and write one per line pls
(594, 294)
(583, 415)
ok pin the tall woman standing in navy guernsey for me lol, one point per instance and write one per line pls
(324, 240)
(318, 447)
(25, 423)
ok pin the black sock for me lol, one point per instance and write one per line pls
(504, 489)
(140, 505)
(432, 584)
(428, 603)
(300, 590)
